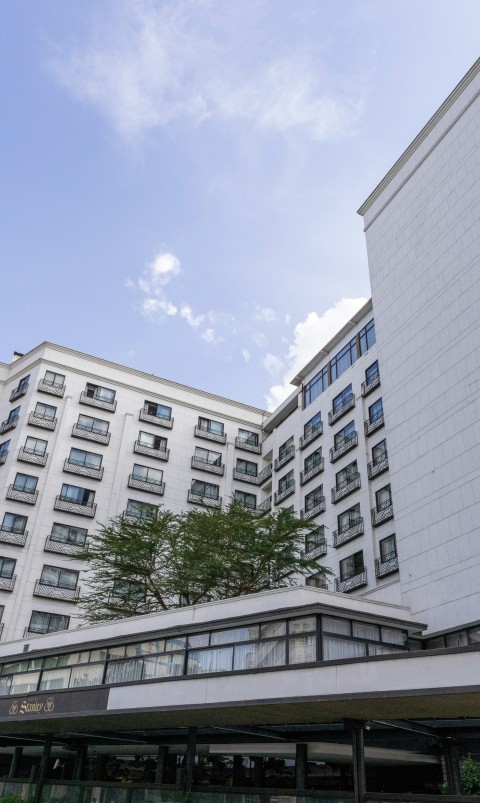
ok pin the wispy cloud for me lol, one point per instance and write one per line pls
(266, 314)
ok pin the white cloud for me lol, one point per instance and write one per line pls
(163, 268)
(129, 283)
(246, 355)
(272, 364)
(154, 308)
(192, 320)
(265, 314)
(210, 337)
(309, 337)
(259, 339)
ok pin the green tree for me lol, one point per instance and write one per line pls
(166, 561)
(470, 776)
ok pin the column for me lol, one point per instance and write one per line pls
(162, 759)
(258, 771)
(452, 768)
(301, 758)
(358, 750)
(80, 761)
(17, 755)
(190, 759)
(43, 769)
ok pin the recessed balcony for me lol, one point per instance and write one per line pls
(9, 424)
(288, 455)
(253, 479)
(378, 466)
(346, 405)
(346, 487)
(29, 456)
(97, 401)
(386, 565)
(311, 434)
(284, 493)
(210, 435)
(19, 495)
(374, 423)
(382, 512)
(347, 584)
(42, 421)
(68, 506)
(18, 392)
(317, 551)
(248, 445)
(317, 581)
(313, 471)
(53, 388)
(348, 531)
(207, 501)
(156, 420)
(89, 434)
(56, 592)
(74, 467)
(373, 383)
(150, 486)
(204, 465)
(62, 547)
(150, 451)
(264, 507)
(343, 446)
(7, 583)
(15, 537)
(315, 510)
(3, 456)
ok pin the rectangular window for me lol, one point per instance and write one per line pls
(157, 410)
(346, 475)
(349, 518)
(371, 373)
(383, 497)
(7, 568)
(59, 578)
(45, 411)
(260, 655)
(77, 495)
(213, 458)
(388, 548)
(25, 482)
(53, 379)
(128, 591)
(207, 425)
(351, 566)
(4, 447)
(246, 499)
(203, 661)
(206, 489)
(23, 384)
(97, 392)
(313, 460)
(87, 459)
(314, 498)
(344, 359)
(379, 452)
(342, 399)
(13, 523)
(286, 449)
(13, 415)
(35, 446)
(303, 649)
(147, 474)
(247, 467)
(375, 411)
(367, 336)
(141, 510)
(311, 426)
(315, 539)
(47, 622)
(152, 441)
(344, 435)
(67, 534)
(251, 438)
(286, 482)
(90, 424)
(315, 386)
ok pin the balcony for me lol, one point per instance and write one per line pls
(253, 479)
(311, 434)
(386, 565)
(73, 467)
(204, 465)
(56, 592)
(43, 421)
(383, 512)
(343, 446)
(353, 581)
(150, 486)
(97, 401)
(346, 487)
(7, 583)
(210, 435)
(18, 392)
(207, 501)
(264, 507)
(248, 446)
(378, 466)
(315, 510)
(89, 434)
(68, 506)
(28, 634)
(10, 423)
(3, 456)
(18, 495)
(374, 423)
(317, 551)
(373, 383)
(14, 537)
(284, 493)
(53, 388)
(309, 474)
(287, 455)
(150, 451)
(26, 456)
(156, 420)
(62, 547)
(344, 407)
(348, 531)
(317, 581)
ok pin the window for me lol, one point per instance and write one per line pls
(89, 424)
(147, 474)
(313, 460)
(344, 359)
(375, 411)
(251, 438)
(26, 483)
(246, 499)
(206, 489)
(247, 467)
(315, 539)
(311, 426)
(87, 459)
(342, 399)
(345, 434)
(35, 446)
(157, 410)
(388, 548)
(207, 425)
(23, 384)
(60, 578)
(141, 510)
(66, 534)
(53, 379)
(286, 449)
(379, 452)
(45, 411)
(316, 386)
(346, 475)
(7, 568)
(13, 415)
(13, 523)
(352, 565)
(213, 458)
(126, 591)
(152, 441)
(79, 496)
(371, 373)
(367, 336)
(47, 622)
(286, 482)
(383, 497)
(314, 498)
(4, 448)
(102, 394)
(349, 518)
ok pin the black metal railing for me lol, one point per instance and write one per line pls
(16, 537)
(210, 435)
(29, 456)
(372, 383)
(378, 466)
(314, 510)
(387, 564)
(285, 458)
(348, 531)
(156, 420)
(84, 470)
(67, 593)
(3, 456)
(284, 493)
(347, 403)
(62, 547)
(354, 580)
(317, 550)
(343, 445)
(373, 423)
(7, 583)
(347, 486)
(313, 471)
(97, 401)
(54, 388)
(248, 445)
(265, 506)
(310, 434)
(42, 420)
(10, 423)
(253, 479)
(90, 434)
(161, 453)
(205, 465)
(22, 495)
(208, 501)
(150, 486)
(382, 512)
(69, 506)
(18, 392)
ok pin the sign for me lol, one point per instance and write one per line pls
(40, 706)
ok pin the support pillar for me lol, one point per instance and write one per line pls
(43, 769)
(258, 772)
(452, 768)
(357, 730)
(190, 759)
(301, 768)
(162, 761)
(80, 761)
(238, 774)
(17, 755)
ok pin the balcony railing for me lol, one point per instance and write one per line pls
(265, 506)
(7, 583)
(204, 465)
(89, 434)
(288, 455)
(19, 495)
(157, 420)
(158, 454)
(317, 551)
(310, 434)
(317, 581)
(56, 592)
(356, 580)
(343, 446)
(248, 446)
(97, 401)
(33, 634)
(210, 435)
(312, 472)
(10, 423)
(315, 510)
(346, 405)
(386, 565)
(348, 531)
(287, 491)
(53, 388)
(378, 466)
(43, 421)
(383, 512)
(374, 423)
(150, 486)
(3, 456)
(27, 456)
(13, 537)
(253, 479)
(62, 547)
(208, 501)
(68, 506)
(373, 383)
(73, 467)
(346, 487)
(18, 392)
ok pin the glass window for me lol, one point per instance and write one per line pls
(45, 411)
(102, 394)
(147, 474)
(7, 567)
(203, 661)
(383, 497)
(67, 534)
(91, 675)
(145, 648)
(375, 411)
(344, 359)
(366, 630)
(163, 666)
(213, 458)
(367, 336)
(55, 679)
(47, 622)
(124, 671)
(314, 498)
(286, 482)
(89, 424)
(35, 446)
(13, 523)
(126, 591)
(286, 449)
(379, 452)
(54, 379)
(302, 649)
(337, 649)
(246, 436)
(77, 495)
(332, 624)
(152, 441)
(23, 384)
(235, 634)
(342, 399)
(198, 640)
(312, 426)
(388, 548)
(207, 425)
(60, 578)
(247, 467)
(273, 629)
(371, 373)
(316, 386)
(205, 489)
(158, 410)
(346, 475)
(26, 483)
(260, 655)
(4, 447)
(382, 649)
(315, 539)
(175, 643)
(246, 499)
(73, 658)
(313, 460)
(349, 518)
(87, 459)
(344, 435)
(351, 566)
(394, 636)
(22, 684)
(303, 625)
(13, 415)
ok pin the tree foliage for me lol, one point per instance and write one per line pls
(139, 566)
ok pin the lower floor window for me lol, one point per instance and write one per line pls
(47, 622)
(206, 489)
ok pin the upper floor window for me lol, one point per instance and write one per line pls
(35, 446)
(67, 534)
(375, 411)
(206, 489)
(13, 414)
(367, 336)
(7, 567)
(349, 518)
(152, 441)
(314, 498)
(342, 399)
(147, 474)
(12, 523)
(53, 379)
(371, 373)
(315, 539)
(207, 456)
(87, 459)
(246, 499)
(311, 426)
(59, 578)
(286, 449)
(141, 510)
(251, 438)
(47, 622)
(4, 447)
(26, 483)
(315, 386)
(388, 548)
(77, 495)
(247, 467)
(344, 359)
(344, 435)
(23, 384)
(383, 497)
(347, 474)
(286, 482)
(313, 460)
(157, 410)
(207, 425)
(97, 392)
(90, 424)
(379, 452)
(352, 565)
(45, 411)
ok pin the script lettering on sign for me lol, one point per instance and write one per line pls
(31, 706)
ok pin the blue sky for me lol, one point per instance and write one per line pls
(180, 180)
